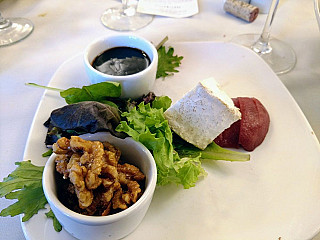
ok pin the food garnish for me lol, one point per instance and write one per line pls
(25, 185)
(167, 62)
(47, 153)
(56, 224)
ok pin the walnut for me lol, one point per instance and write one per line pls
(92, 180)
(112, 154)
(62, 146)
(117, 201)
(78, 144)
(131, 172)
(84, 195)
(61, 164)
(101, 185)
(133, 190)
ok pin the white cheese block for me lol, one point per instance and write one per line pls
(202, 114)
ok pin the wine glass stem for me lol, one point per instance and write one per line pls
(262, 46)
(128, 8)
(4, 23)
(125, 4)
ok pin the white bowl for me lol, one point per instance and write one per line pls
(134, 85)
(114, 226)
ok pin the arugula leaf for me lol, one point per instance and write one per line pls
(167, 62)
(56, 224)
(25, 185)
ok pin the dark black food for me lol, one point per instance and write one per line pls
(79, 118)
(121, 61)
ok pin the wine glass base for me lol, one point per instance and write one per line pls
(125, 19)
(281, 57)
(18, 29)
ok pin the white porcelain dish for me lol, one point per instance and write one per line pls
(114, 226)
(274, 195)
(134, 85)
(317, 11)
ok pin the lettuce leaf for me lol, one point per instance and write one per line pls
(163, 102)
(177, 161)
(147, 125)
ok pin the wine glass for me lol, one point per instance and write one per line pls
(280, 56)
(13, 30)
(125, 17)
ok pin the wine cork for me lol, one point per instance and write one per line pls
(241, 10)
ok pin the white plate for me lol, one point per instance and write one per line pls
(275, 195)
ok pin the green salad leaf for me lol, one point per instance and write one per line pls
(56, 224)
(167, 62)
(147, 125)
(103, 92)
(47, 153)
(99, 92)
(189, 170)
(163, 102)
(177, 161)
(25, 185)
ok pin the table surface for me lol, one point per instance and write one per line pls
(64, 28)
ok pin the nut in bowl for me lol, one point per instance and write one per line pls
(129, 60)
(113, 226)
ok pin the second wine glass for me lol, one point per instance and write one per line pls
(125, 17)
(279, 55)
(13, 30)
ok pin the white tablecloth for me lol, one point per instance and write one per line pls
(64, 28)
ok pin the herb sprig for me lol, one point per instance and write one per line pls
(25, 185)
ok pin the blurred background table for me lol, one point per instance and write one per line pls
(64, 28)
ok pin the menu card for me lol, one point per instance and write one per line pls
(169, 8)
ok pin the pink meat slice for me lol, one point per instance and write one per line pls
(254, 124)
(251, 130)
